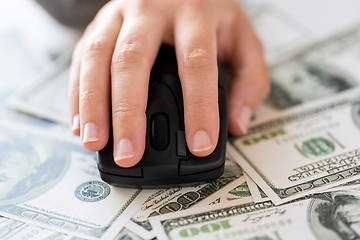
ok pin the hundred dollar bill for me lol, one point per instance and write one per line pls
(325, 69)
(126, 234)
(236, 192)
(257, 194)
(47, 97)
(305, 152)
(176, 199)
(14, 230)
(185, 225)
(51, 182)
(291, 36)
(346, 186)
(17, 54)
(333, 215)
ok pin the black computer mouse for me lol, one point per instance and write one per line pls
(167, 160)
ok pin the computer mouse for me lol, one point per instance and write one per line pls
(167, 160)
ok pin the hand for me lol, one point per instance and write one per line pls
(117, 51)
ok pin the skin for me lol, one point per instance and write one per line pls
(118, 49)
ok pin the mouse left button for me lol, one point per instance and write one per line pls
(107, 165)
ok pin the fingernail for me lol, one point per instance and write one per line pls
(244, 119)
(124, 150)
(201, 141)
(76, 122)
(90, 133)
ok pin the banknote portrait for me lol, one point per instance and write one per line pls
(336, 215)
(29, 165)
(297, 82)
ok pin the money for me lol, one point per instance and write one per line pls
(51, 182)
(324, 70)
(332, 215)
(268, 19)
(303, 140)
(126, 234)
(313, 150)
(52, 87)
(190, 224)
(236, 192)
(299, 127)
(165, 201)
(257, 194)
(12, 230)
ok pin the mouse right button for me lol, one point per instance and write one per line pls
(181, 150)
(195, 165)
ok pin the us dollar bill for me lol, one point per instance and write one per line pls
(46, 98)
(346, 186)
(236, 192)
(257, 194)
(52, 182)
(177, 199)
(332, 215)
(291, 38)
(14, 230)
(323, 70)
(305, 152)
(126, 234)
(185, 225)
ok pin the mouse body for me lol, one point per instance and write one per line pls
(167, 161)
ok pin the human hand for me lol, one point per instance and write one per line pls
(115, 56)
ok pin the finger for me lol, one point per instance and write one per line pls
(134, 55)
(195, 44)
(250, 83)
(73, 89)
(74, 77)
(94, 91)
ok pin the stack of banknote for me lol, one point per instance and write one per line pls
(295, 175)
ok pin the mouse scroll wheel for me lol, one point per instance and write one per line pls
(159, 131)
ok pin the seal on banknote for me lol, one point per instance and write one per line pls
(92, 191)
(318, 146)
(241, 191)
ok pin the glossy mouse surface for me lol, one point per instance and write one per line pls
(167, 161)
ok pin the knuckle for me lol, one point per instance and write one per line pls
(201, 103)
(197, 4)
(128, 52)
(143, 5)
(87, 97)
(124, 109)
(94, 46)
(196, 58)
